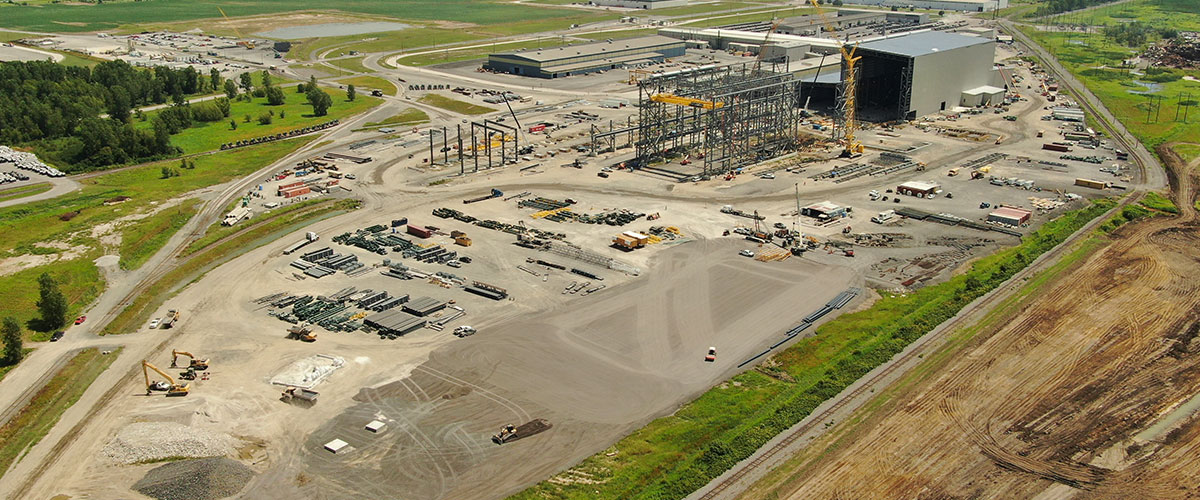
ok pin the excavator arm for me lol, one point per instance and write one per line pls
(193, 361)
(174, 388)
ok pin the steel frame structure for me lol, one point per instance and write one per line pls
(758, 117)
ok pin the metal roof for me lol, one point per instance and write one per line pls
(568, 51)
(923, 43)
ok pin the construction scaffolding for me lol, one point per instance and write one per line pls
(732, 116)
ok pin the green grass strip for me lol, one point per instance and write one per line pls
(36, 419)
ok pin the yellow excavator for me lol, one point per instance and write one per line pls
(193, 361)
(172, 388)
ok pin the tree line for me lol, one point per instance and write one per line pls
(58, 109)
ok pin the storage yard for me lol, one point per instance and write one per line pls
(526, 286)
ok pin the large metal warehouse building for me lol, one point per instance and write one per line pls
(586, 58)
(918, 74)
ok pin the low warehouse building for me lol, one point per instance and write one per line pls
(824, 210)
(640, 4)
(1011, 216)
(587, 57)
(961, 5)
(394, 322)
(918, 188)
(986, 95)
(424, 306)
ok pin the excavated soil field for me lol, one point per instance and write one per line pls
(1057, 402)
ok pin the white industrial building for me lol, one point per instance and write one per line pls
(961, 5)
(918, 74)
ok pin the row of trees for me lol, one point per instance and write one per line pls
(1060, 6)
(1136, 33)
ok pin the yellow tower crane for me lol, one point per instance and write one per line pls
(246, 44)
(852, 148)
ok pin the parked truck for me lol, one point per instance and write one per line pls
(309, 237)
(884, 216)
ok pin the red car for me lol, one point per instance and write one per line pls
(80, 320)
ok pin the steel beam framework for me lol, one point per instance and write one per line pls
(758, 117)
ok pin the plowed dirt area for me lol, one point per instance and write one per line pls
(1086, 393)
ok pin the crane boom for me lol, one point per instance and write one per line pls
(850, 103)
(685, 101)
(762, 49)
(248, 45)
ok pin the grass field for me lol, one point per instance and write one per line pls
(17, 192)
(673, 456)
(142, 239)
(1096, 62)
(1177, 14)
(24, 226)
(464, 54)
(79, 18)
(248, 237)
(454, 105)
(328, 70)
(353, 65)
(209, 136)
(410, 116)
(363, 84)
(1188, 152)
(36, 419)
(391, 41)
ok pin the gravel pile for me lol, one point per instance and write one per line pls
(149, 441)
(200, 479)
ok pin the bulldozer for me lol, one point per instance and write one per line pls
(171, 388)
(301, 333)
(194, 363)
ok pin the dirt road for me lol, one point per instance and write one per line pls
(1047, 405)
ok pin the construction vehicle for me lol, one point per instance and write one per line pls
(302, 333)
(712, 355)
(193, 361)
(299, 395)
(952, 172)
(190, 374)
(511, 432)
(852, 148)
(171, 388)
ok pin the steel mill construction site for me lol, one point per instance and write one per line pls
(680, 249)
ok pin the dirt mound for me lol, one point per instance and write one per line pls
(202, 479)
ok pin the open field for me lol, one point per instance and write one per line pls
(245, 239)
(363, 84)
(1177, 14)
(43, 411)
(142, 239)
(1066, 399)
(29, 229)
(27, 190)
(410, 116)
(454, 105)
(409, 39)
(297, 113)
(75, 17)
(354, 65)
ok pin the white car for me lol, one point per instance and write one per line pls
(767, 176)
(464, 331)
(350, 176)
(154, 323)
(454, 263)
(746, 253)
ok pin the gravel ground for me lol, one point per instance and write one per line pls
(148, 441)
(201, 479)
